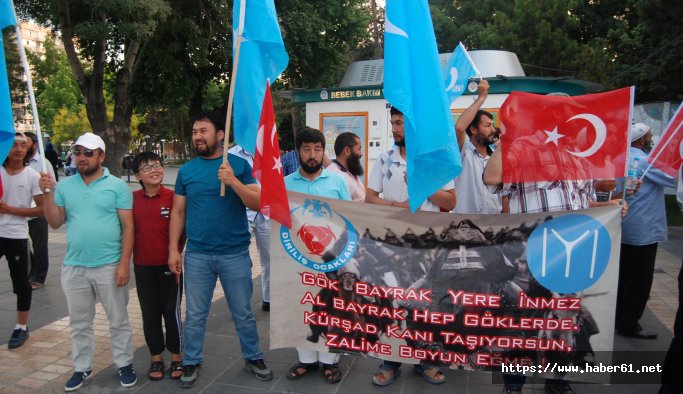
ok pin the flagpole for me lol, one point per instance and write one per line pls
(233, 79)
(474, 66)
(661, 150)
(31, 94)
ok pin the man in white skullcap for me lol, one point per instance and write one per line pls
(643, 227)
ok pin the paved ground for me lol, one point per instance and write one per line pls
(43, 364)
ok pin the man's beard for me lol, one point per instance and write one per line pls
(88, 170)
(311, 169)
(354, 166)
(485, 141)
(207, 150)
(400, 142)
(648, 148)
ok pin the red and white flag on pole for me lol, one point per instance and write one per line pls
(268, 167)
(668, 154)
(550, 138)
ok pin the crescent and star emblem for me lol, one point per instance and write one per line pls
(600, 134)
(454, 79)
(393, 29)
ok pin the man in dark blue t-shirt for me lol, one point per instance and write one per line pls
(217, 244)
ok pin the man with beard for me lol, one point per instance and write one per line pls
(475, 151)
(388, 177)
(217, 244)
(97, 209)
(643, 227)
(37, 227)
(347, 148)
(312, 178)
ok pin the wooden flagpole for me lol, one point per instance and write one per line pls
(233, 79)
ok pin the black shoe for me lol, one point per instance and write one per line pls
(512, 390)
(265, 306)
(190, 375)
(558, 388)
(17, 338)
(259, 369)
(638, 333)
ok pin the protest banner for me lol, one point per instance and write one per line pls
(464, 291)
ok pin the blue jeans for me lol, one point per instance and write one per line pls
(234, 272)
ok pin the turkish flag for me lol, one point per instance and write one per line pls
(549, 138)
(268, 167)
(668, 154)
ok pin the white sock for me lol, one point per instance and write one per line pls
(22, 326)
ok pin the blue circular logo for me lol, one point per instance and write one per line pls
(568, 254)
(320, 239)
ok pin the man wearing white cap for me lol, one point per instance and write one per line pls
(643, 227)
(97, 208)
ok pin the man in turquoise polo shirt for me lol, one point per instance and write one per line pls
(97, 209)
(312, 178)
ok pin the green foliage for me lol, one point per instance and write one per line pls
(318, 36)
(648, 45)
(54, 85)
(15, 70)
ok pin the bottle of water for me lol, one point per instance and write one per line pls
(632, 180)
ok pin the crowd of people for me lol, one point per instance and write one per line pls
(181, 241)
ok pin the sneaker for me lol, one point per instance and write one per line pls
(127, 376)
(265, 306)
(18, 338)
(76, 381)
(190, 375)
(259, 369)
(559, 388)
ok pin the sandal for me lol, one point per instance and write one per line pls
(332, 373)
(389, 374)
(37, 285)
(156, 367)
(176, 366)
(421, 371)
(294, 372)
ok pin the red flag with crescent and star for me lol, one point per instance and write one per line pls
(668, 154)
(268, 166)
(553, 137)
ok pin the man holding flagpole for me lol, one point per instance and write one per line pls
(476, 134)
(217, 244)
(642, 229)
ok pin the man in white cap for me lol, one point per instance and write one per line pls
(643, 227)
(97, 208)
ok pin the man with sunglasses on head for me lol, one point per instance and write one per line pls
(97, 209)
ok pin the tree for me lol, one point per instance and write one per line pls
(15, 70)
(319, 37)
(110, 36)
(54, 84)
(648, 45)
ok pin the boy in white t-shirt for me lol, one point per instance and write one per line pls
(19, 189)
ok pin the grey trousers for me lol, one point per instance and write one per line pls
(82, 287)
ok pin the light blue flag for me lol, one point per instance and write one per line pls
(262, 57)
(6, 120)
(413, 83)
(457, 72)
